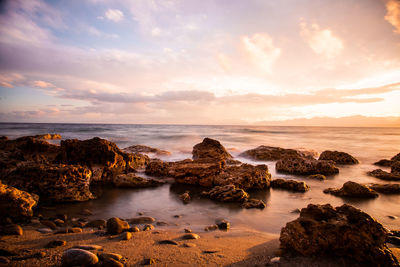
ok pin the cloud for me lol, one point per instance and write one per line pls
(115, 15)
(95, 32)
(43, 84)
(322, 41)
(393, 14)
(156, 31)
(9, 79)
(261, 51)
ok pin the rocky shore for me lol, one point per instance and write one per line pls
(35, 173)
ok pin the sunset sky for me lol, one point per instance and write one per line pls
(198, 62)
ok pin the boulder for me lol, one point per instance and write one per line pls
(383, 175)
(17, 204)
(210, 149)
(227, 193)
(116, 226)
(338, 157)
(146, 149)
(386, 188)
(341, 232)
(272, 153)
(291, 185)
(253, 203)
(395, 168)
(305, 166)
(131, 180)
(384, 163)
(352, 189)
(57, 183)
(78, 257)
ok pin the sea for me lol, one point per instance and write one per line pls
(368, 145)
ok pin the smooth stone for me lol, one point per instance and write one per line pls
(189, 245)
(96, 224)
(12, 229)
(126, 236)
(78, 257)
(141, 220)
(56, 243)
(210, 251)
(116, 226)
(104, 255)
(167, 242)
(134, 229)
(187, 230)
(274, 260)
(191, 236)
(89, 247)
(392, 217)
(148, 227)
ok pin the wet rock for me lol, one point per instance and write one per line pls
(11, 229)
(352, 189)
(109, 262)
(16, 203)
(317, 177)
(44, 230)
(338, 157)
(89, 247)
(227, 193)
(210, 149)
(56, 243)
(141, 220)
(384, 163)
(48, 136)
(383, 175)
(342, 231)
(131, 180)
(303, 166)
(116, 226)
(191, 236)
(49, 224)
(291, 185)
(148, 227)
(223, 224)
(78, 257)
(146, 149)
(386, 188)
(167, 242)
(185, 197)
(126, 236)
(211, 228)
(96, 224)
(187, 230)
(270, 153)
(253, 203)
(59, 222)
(133, 229)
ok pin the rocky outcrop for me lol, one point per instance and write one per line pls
(131, 180)
(388, 162)
(395, 169)
(352, 189)
(340, 232)
(338, 157)
(146, 149)
(317, 177)
(227, 193)
(58, 183)
(245, 176)
(210, 149)
(48, 136)
(386, 188)
(383, 175)
(272, 153)
(16, 204)
(303, 166)
(291, 185)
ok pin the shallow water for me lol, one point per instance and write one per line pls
(366, 144)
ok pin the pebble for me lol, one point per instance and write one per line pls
(189, 245)
(59, 222)
(392, 217)
(167, 242)
(177, 216)
(126, 236)
(78, 257)
(141, 220)
(211, 228)
(210, 251)
(191, 236)
(56, 243)
(187, 230)
(49, 224)
(223, 224)
(133, 229)
(148, 227)
(274, 260)
(89, 247)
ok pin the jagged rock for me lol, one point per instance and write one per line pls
(146, 149)
(352, 189)
(305, 166)
(338, 157)
(253, 203)
(289, 185)
(381, 174)
(58, 183)
(185, 197)
(78, 257)
(131, 180)
(210, 149)
(384, 163)
(342, 231)
(17, 204)
(96, 224)
(317, 177)
(116, 226)
(223, 224)
(227, 193)
(141, 220)
(48, 136)
(386, 188)
(396, 168)
(272, 153)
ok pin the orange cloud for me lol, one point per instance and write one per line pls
(393, 14)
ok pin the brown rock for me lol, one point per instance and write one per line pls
(338, 157)
(78, 257)
(386, 188)
(49, 224)
(384, 163)
(395, 168)
(48, 136)
(185, 197)
(210, 149)
(11, 229)
(133, 229)
(104, 255)
(109, 262)
(126, 236)
(131, 180)
(289, 185)
(383, 175)
(148, 227)
(317, 177)
(352, 189)
(270, 153)
(96, 224)
(227, 193)
(342, 231)
(191, 236)
(304, 166)
(223, 224)
(146, 149)
(56, 243)
(254, 204)
(141, 220)
(116, 226)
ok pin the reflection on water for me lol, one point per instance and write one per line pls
(366, 144)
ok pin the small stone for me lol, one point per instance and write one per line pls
(211, 228)
(210, 251)
(187, 230)
(189, 245)
(167, 242)
(320, 177)
(96, 224)
(56, 243)
(140, 213)
(141, 220)
(223, 224)
(161, 223)
(104, 255)
(44, 230)
(4, 260)
(49, 224)
(63, 217)
(148, 227)
(116, 226)
(133, 229)
(12, 229)
(89, 247)
(78, 257)
(149, 261)
(274, 260)
(126, 236)
(392, 217)
(59, 222)
(185, 197)
(191, 236)
(177, 216)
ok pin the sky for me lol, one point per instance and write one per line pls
(198, 62)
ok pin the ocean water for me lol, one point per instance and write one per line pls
(368, 145)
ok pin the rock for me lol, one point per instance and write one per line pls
(104, 255)
(63, 217)
(253, 203)
(96, 224)
(295, 211)
(210, 251)
(384, 175)
(395, 168)
(386, 188)
(109, 262)
(56, 243)
(59, 222)
(191, 236)
(49, 224)
(141, 220)
(189, 245)
(167, 242)
(67, 230)
(149, 261)
(48, 136)
(187, 230)
(146, 149)
(4, 260)
(227, 193)
(289, 185)
(396, 157)
(210, 149)
(394, 240)
(384, 163)
(44, 230)
(55, 183)
(86, 212)
(223, 224)
(305, 166)
(317, 177)
(341, 232)
(161, 223)
(338, 157)
(89, 247)
(116, 226)
(352, 189)
(17, 204)
(78, 257)
(148, 227)
(392, 217)
(211, 228)
(11, 229)
(126, 236)
(270, 153)
(134, 229)
(131, 180)
(185, 197)
(274, 260)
